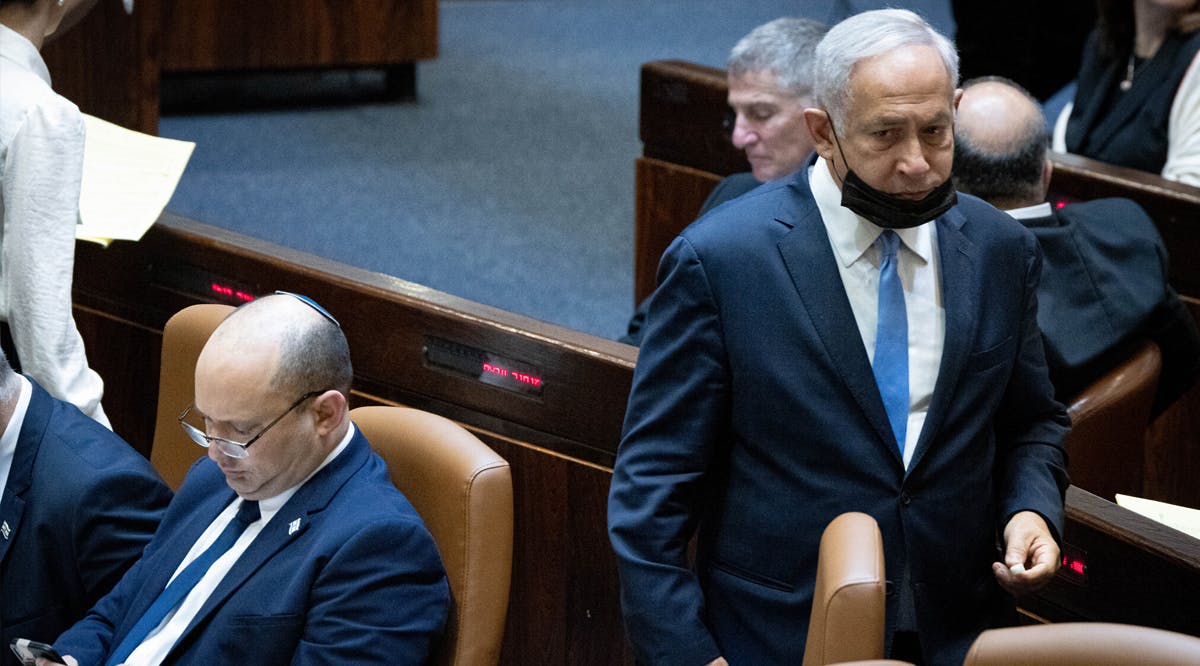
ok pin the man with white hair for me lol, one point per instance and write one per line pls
(852, 338)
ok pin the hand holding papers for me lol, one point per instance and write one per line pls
(128, 178)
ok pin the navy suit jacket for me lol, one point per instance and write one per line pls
(345, 573)
(78, 508)
(1104, 289)
(754, 420)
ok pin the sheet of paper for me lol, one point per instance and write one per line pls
(128, 178)
(1182, 518)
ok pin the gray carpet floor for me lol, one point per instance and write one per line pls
(509, 181)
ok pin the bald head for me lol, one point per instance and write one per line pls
(1000, 143)
(275, 374)
(289, 345)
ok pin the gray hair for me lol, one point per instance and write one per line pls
(313, 352)
(863, 36)
(783, 47)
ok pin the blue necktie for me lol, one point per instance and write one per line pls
(891, 339)
(184, 582)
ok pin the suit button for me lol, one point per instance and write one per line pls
(905, 499)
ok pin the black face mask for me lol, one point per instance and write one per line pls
(888, 211)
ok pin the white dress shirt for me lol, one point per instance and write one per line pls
(158, 643)
(1032, 212)
(41, 167)
(853, 241)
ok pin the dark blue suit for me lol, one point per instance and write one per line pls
(1104, 289)
(345, 573)
(754, 418)
(78, 508)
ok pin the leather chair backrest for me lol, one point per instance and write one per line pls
(1082, 644)
(463, 491)
(847, 621)
(172, 453)
(1106, 445)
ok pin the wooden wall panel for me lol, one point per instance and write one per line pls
(108, 64)
(207, 35)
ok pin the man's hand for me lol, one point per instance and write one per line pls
(1031, 557)
(68, 659)
(719, 661)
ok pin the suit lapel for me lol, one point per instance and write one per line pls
(288, 525)
(20, 473)
(814, 273)
(12, 509)
(960, 282)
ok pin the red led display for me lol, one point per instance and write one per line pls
(484, 366)
(501, 371)
(1074, 565)
(230, 292)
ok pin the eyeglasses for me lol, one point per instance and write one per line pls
(228, 446)
(312, 304)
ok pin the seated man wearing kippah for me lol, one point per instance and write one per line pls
(288, 543)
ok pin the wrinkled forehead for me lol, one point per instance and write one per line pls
(900, 79)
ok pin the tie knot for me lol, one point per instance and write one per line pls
(248, 512)
(889, 243)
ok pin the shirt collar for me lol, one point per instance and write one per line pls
(22, 52)
(1032, 212)
(850, 234)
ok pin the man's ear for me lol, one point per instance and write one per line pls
(330, 408)
(821, 130)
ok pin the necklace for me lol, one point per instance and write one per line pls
(1130, 70)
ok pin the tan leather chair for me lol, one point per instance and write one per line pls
(172, 453)
(847, 621)
(1083, 644)
(463, 491)
(1106, 444)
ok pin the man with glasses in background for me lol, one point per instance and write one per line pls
(288, 543)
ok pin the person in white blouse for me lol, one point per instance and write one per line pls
(41, 166)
